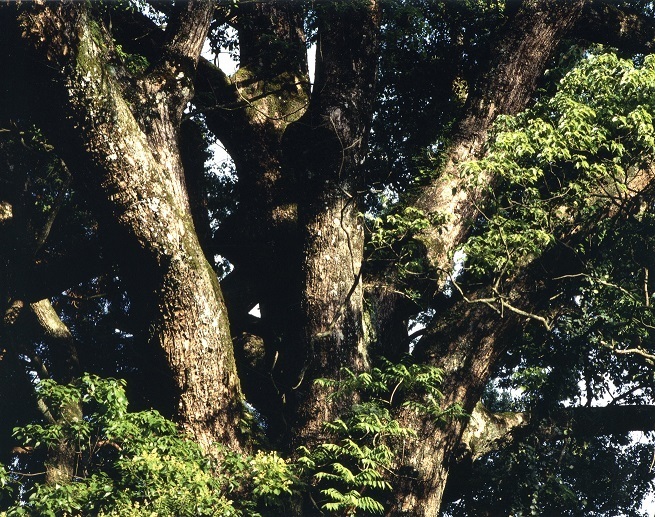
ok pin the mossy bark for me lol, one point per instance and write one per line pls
(119, 135)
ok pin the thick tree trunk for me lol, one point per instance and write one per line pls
(505, 86)
(309, 195)
(471, 350)
(325, 148)
(465, 343)
(124, 147)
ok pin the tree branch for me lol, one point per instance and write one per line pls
(186, 32)
(488, 431)
(50, 277)
(519, 59)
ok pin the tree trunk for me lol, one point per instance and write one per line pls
(306, 196)
(124, 147)
(467, 340)
(250, 113)
(465, 343)
(325, 149)
(65, 368)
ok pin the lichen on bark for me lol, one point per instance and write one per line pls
(123, 146)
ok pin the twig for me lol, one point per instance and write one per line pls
(636, 351)
(26, 475)
(394, 391)
(646, 295)
(650, 358)
(536, 317)
(487, 301)
(503, 304)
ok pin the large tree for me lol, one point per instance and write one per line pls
(519, 134)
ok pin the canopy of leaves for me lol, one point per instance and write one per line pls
(567, 173)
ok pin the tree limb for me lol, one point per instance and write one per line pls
(519, 58)
(186, 32)
(487, 431)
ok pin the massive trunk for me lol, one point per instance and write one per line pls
(325, 148)
(120, 138)
(297, 237)
(297, 234)
(465, 342)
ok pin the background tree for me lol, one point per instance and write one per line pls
(506, 132)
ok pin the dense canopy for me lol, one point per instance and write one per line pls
(422, 284)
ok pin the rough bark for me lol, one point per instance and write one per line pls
(125, 150)
(468, 363)
(61, 462)
(465, 342)
(59, 338)
(487, 431)
(251, 113)
(505, 86)
(386, 320)
(123, 146)
(468, 336)
(325, 149)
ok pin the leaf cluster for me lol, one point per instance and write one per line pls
(563, 163)
(137, 464)
(361, 456)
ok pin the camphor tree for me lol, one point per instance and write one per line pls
(483, 168)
